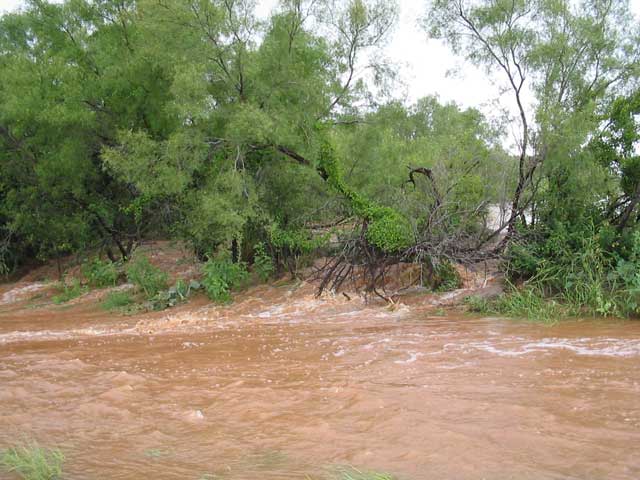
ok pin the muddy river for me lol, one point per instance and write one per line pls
(285, 386)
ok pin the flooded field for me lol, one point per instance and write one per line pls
(282, 385)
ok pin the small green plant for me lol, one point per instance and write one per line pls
(175, 295)
(156, 453)
(221, 276)
(32, 462)
(100, 273)
(146, 277)
(262, 262)
(68, 291)
(117, 300)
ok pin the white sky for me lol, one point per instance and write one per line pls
(423, 63)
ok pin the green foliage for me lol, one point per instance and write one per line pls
(298, 241)
(262, 262)
(179, 293)
(627, 274)
(352, 473)
(584, 270)
(101, 273)
(221, 276)
(446, 277)
(117, 300)
(32, 462)
(148, 278)
(519, 303)
(387, 229)
(69, 291)
(292, 247)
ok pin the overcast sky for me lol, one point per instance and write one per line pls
(424, 64)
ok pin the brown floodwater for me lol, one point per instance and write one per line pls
(285, 386)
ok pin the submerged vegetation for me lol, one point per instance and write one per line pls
(32, 462)
(352, 473)
(265, 144)
(29, 461)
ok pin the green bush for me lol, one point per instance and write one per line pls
(175, 295)
(446, 277)
(31, 462)
(68, 291)
(626, 277)
(117, 300)
(293, 248)
(100, 273)
(221, 276)
(582, 269)
(262, 262)
(146, 277)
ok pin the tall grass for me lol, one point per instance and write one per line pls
(580, 279)
(519, 303)
(32, 462)
(569, 276)
(117, 300)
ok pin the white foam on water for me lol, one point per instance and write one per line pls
(18, 293)
(607, 347)
(413, 356)
(44, 335)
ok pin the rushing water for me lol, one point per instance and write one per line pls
(284, 386)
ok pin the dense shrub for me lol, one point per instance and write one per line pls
(146, 277)
(262, 262)
(221, 276)
(101, 273)
(587, 270)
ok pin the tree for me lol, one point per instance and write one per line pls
(559, 60)
(71, 78)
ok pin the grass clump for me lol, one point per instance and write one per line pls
(32, 462)
(117, 301)
(526, 302)
(68, 291)
(148, 278)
